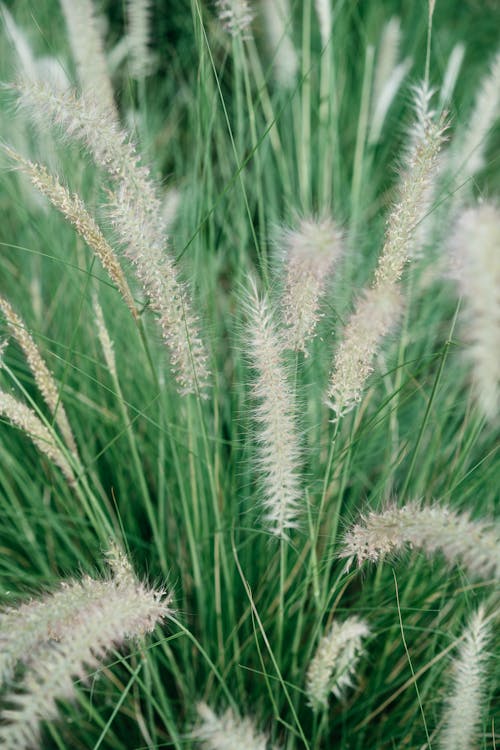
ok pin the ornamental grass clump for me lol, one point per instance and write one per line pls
(206, 361)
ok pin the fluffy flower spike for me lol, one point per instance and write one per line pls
(309, 254)
(87, 47)
(380, 306)
(279, 451)
(334, 664)
(135, 211)
(473, 544)
(475, 260)
(227, 732)
(236, 16)
(463, 710)
(65, 636)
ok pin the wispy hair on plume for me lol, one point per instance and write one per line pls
(277, 20)
(236, 16)
(474, 545)
(87, 47)
(380, 306)
(475, 266)
(308, 254)
(139, 36)
(334, 664)
(44, 379)
(278, 439)
(72, 641)
(20, 415)
(135, 211)
(465, 701)
(227, 731)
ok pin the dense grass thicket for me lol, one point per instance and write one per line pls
(250, 374)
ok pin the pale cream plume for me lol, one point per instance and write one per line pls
(73, 209)
(278, 439)
(72, 631)
(25, 418)
(434, 529)
(380, 306)
(135, 211)
(88, 51)
(464, 705)
(475, 265)
(43, 377)
(332, 668)
(227, 731)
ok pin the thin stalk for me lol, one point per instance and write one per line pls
(305, 131)
(358, 172)
(428, 410)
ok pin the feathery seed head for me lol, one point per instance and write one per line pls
(135, 212)
(236, 16)
(434, 529)
(380, 306)
(65, 635)
(43, 377)
(475, 259)
(3, 346)
(334, 663)
(464, 704)
(279, 450)
(104, 338)
(87, 47)
(387, 55)
(308, 255)
(227, 731)
(415, 188)
(378, 310)
(468, 152)
(26, 420)
(451, 74)
(139, 33)
(73, 209)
